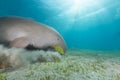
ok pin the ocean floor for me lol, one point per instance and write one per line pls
(74, 65)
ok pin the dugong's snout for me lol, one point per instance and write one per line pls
(60, 46)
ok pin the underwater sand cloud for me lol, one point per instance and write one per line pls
(16, 58)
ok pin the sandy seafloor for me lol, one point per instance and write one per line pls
(74, 65)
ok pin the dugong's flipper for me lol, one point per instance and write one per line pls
(21, 42)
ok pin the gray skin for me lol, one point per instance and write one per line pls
(20, 32)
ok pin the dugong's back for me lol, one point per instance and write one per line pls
(14, 27)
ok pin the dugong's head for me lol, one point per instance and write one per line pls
(54, 41)
(59, 43)
(49, 40)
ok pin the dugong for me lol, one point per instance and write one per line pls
(20, 32)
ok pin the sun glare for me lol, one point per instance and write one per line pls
(70, 11)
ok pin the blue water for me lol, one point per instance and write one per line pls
(84, 24)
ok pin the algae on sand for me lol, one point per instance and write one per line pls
(75, 65)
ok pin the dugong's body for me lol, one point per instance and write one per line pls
(20, 32)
